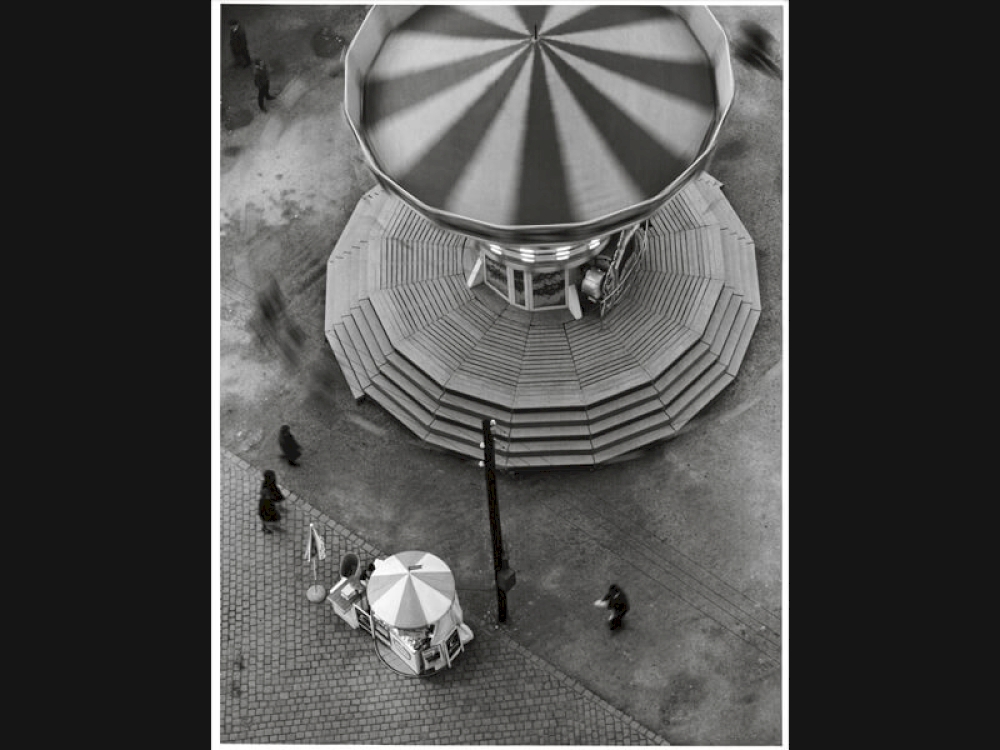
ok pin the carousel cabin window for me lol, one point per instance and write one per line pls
(496, 275)
(548, 290)
(519, 288)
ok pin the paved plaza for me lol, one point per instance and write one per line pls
(291, 671)
(691, 528)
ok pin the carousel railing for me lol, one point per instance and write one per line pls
(614, 285)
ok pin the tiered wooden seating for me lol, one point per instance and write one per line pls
(441, 357)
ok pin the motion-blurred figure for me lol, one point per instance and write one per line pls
(272, 324)
(290, 449)
(238, 43)
(754, 48)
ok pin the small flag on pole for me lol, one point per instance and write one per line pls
(310, 545)
(319, 544)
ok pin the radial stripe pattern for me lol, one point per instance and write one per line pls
(455, 88)
(411, 589)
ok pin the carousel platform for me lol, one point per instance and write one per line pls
(409, 334)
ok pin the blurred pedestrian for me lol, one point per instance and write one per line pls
(238, 43)
(753, 47)
(616, 601)
(270, 496)
(289, 446)
(262, 81)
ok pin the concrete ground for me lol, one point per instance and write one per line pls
(692, 529)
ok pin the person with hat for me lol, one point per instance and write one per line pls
(238, 43)
(267, 507)
(263, 82)
(616, 601)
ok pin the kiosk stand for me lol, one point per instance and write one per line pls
(409, 608)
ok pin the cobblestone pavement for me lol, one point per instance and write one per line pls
(291, 671)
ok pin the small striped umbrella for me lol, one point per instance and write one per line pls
(411, 589)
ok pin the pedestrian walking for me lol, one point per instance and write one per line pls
(289, 445)
(238, 44)
(616, 601)
(262, 81)
(270, 496)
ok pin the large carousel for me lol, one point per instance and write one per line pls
(544, 246)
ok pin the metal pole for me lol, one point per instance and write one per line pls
(489, 465)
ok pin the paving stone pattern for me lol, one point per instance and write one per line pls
(291, 671)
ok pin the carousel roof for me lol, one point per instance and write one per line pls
(537, 123)
(411, 589)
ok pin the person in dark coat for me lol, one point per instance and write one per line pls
(289, 446)
(262, 81)
(616, 601)
(270, 496)
(238, 43)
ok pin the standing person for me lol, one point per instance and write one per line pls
(270, 495)
(616, 601)
(238, 43)
(289, 446)
(262, 81)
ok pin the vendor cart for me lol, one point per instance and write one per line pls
(408, 605)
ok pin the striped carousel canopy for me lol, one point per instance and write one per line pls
(411, 589)
(537, 123)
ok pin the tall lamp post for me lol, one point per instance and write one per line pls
(502, 572)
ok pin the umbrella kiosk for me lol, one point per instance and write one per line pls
(411, 610)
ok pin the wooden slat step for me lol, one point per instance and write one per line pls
(621, 402)
(553, 395)
(415, 350)
(549, 432)
(360, 346)
(457, 446)
(678, 377)
(631, 430)
(725, 324)
(399, 367)
(375, 325)
(520, 448)
(706, 396)
(636, 443)
(463, 418)
(351, 353)
(549, 417)
(718, 312)
(613, 384)
(462, 433)
(345, 364)
(523, 463)
(622, 419)
(338, 297)
(400, 405)
(694, 397)
(371, 341)
(478, 409)
(751, 283)
(428, 402)
(735, 331)
(744, 341)
(468, 383)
